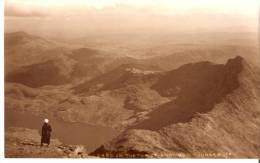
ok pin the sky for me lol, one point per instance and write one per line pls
(82, 16)
(246, 7)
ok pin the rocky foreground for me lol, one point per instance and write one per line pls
(25, 143)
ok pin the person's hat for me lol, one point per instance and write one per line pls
(46, 120)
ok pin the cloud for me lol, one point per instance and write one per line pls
(22, 11)
(115, 16)
(171, 7)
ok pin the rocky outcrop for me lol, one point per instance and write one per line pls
(25, 143)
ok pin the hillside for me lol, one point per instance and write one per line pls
(23, 49)
(36, 61)
(119, 77)
(192, 53)
(195, 88)
(116, 99)
(218, 118)
(57, 70)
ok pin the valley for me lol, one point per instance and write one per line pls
(172, 96)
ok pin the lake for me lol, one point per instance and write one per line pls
(68, 133)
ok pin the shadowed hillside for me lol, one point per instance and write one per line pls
(196, 88)
(47, 73)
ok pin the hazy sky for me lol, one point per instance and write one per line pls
(80, 16)
(248, 7)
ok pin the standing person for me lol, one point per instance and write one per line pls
(46, 133)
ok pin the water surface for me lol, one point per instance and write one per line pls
(69, 133)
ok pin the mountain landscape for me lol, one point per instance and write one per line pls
(175, 99)
(203, 118)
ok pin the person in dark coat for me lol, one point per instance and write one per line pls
(46, 133)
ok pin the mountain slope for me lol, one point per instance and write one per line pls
(118, 77)
(195, 88)
(30, 59)
(25, 143)
(213, 53)
(23, 49)
(51, 72)
(230, 128)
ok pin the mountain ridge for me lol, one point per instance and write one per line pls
(230, 129)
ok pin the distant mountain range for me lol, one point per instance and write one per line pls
(187, 103)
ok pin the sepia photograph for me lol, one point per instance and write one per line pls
(128, 79)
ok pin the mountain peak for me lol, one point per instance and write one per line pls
(237, 65)
(235, 61)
